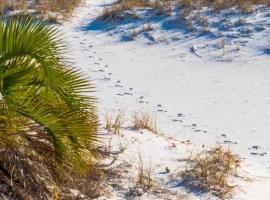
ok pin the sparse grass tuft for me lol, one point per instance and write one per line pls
(145, 120)
(245, 6)
(112, 13)
(183, 13)
(114, 125)
(116, 11)
(144, 180)
(186, 3)
(160, 7)
(211, 171)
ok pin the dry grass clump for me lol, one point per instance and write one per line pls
(145, 28)
(160, 7)
(211, 171)
(112, 13)
(245, 6)
(183, 13)
(186, 3)
(144, 180)
(118, 11)
(6, 5)
(42, 6)
(114, 125)
(63, 5)
(219, 5)
(145, 120)
(24, 177)
(32, 172)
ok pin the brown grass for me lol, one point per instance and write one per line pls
(115, 124)
(160, 7)
(117, 11)
(219, 5)
(145, 120)
(186, 3)
(183, 13)
(144, 179)
(112, 13)
(32, 172)
(43, 6)
(211, 171)
(243, 5)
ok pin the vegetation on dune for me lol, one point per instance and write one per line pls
(212, 171)
(145, 120)
(63, 6)
(118, 10)
(38, 89)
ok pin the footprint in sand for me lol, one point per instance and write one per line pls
(106, 79)
(229, 142)
(177, 120)
(161, 110)
(127, 93)
(180, 115)
(198, 130)
(223, 135)
(255, 148)
(258, 154)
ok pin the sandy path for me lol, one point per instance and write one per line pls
(225, 103)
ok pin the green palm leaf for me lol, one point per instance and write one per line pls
(37, 84)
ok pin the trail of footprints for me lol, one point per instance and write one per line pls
(121, 90)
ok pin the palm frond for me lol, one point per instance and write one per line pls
(37, 83)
